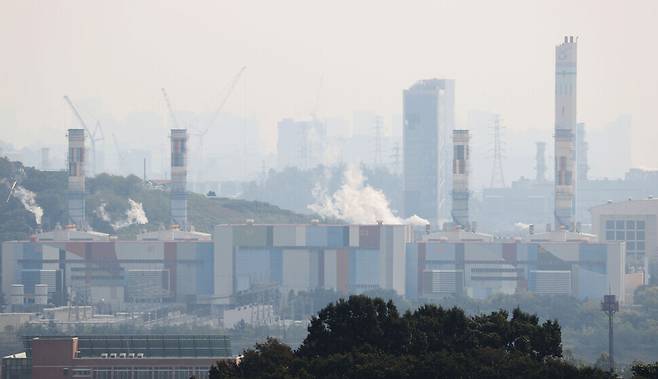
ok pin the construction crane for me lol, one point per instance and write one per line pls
(92, 135)
(171, 110)
(231, 87)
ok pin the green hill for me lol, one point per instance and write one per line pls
(107, 202)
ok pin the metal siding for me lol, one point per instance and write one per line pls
(369, 236)
(316, 236)
(284, 235)
(251, 235)
(204, 268)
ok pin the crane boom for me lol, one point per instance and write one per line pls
(77, 114)
(231, 87)
(171, 110)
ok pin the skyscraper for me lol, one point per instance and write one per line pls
(427, 134)
(565, 130)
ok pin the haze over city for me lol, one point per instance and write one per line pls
(301, 189)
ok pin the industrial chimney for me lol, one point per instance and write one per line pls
(460, 171)
(565, 130)
(76, 169)
(179, 178)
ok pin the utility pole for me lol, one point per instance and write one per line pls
(610, 305)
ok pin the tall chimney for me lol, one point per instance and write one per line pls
(179, 178)
(460, 171)
(76, 169)
(540, 164)
(565, 130)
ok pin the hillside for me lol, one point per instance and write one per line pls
(109, 208)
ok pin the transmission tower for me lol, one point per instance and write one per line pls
(497, 176)
(378, 141)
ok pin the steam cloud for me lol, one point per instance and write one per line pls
(357, 203)
(134, 215)
(28, 199)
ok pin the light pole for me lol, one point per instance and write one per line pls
(610, 305)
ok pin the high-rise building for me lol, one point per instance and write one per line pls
(565, 130)
(179, 177)
(540, 162)
(427, 133)
(76, 170)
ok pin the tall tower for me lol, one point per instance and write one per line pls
(460, 171)
(179, 177)
(565, 130)
(582, 147)
(427, 133)
(540, 162)
(497, 175)
(76, 169)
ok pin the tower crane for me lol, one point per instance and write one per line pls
(171, 110)
(92, 135)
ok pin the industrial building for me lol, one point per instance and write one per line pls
(346, 258)
(633, 222)
(480, 269)
(427, 134)
(117, 357)
(91, 268)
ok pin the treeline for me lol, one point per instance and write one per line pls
(368, 338)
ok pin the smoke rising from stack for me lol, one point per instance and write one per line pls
(357, 203)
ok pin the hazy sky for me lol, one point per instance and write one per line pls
(501, 54)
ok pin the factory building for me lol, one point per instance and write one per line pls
(124, 356)
(90, 268)
(565, 132)
(633, 222)
(427, 135)
(77, 158)
(346, 258)
(479, 269)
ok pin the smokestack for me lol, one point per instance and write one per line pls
(460, 170)
(76, 169)
(179, 178)
(540, 164)
(565, 130)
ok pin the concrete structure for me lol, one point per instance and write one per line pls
(565, 130)
(635, 223)
(346, 258)
(179, 178)
(301, 144)
(480, 269)
(427, 132)
(582, 148)
(135, 356)
(460, 172)
(77, 157)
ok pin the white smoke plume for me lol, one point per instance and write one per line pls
(28, 199)
(102, 213)
(134, 215)
(357, 203)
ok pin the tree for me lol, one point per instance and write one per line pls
(645, 370)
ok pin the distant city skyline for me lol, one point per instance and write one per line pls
(333, 60)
